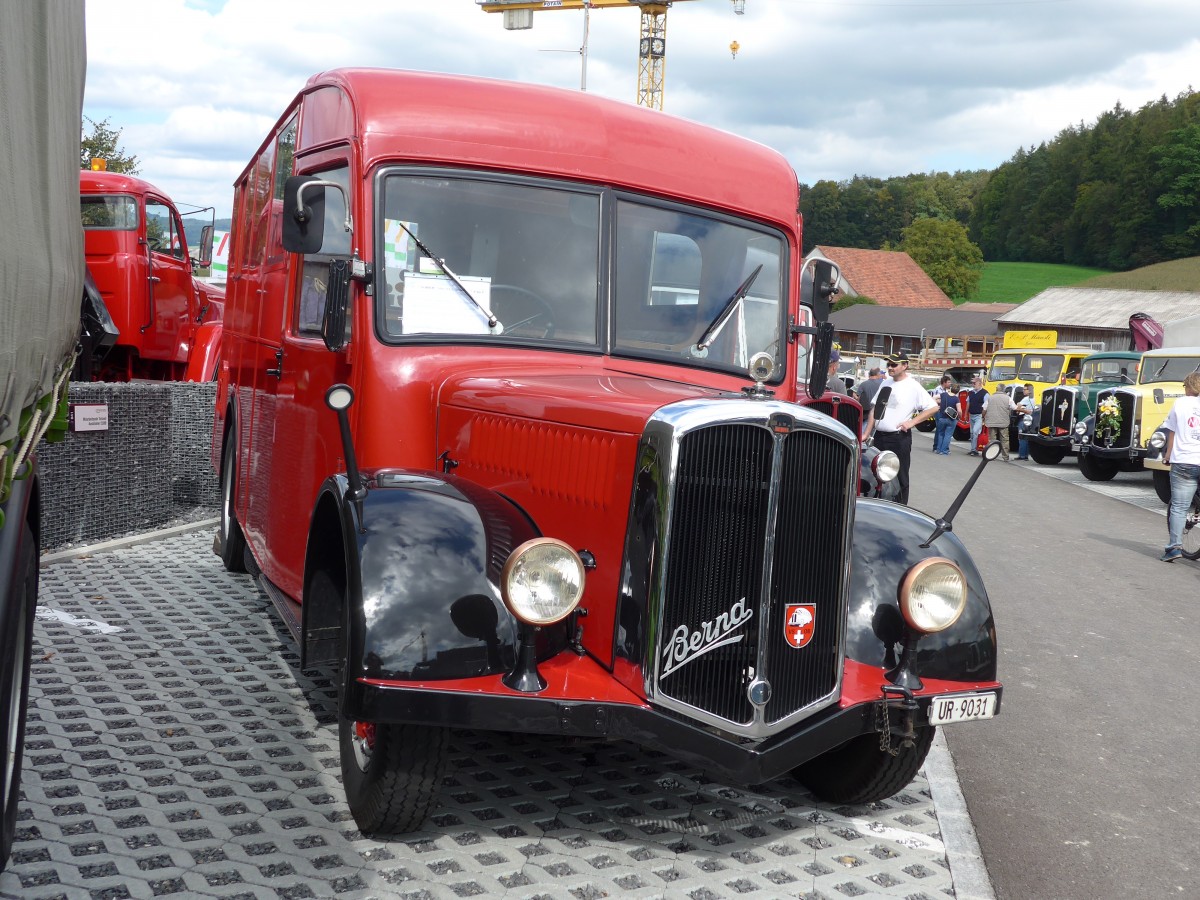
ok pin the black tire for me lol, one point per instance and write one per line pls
(16, 635)
(859, 772)
(1046, 456)
(1162, 484)
(391, 774)
(1191, 531)
(1094, 469)
(231, 542)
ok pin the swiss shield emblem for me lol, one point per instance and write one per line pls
(800, 620)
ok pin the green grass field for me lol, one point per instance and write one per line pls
(1013, 282)
(1177, 275)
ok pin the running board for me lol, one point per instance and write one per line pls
(289, 610)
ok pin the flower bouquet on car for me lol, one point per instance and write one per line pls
(1108, 418)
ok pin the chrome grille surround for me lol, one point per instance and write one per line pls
(719, 542)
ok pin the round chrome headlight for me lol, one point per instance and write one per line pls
(1026, 420)
(542, 581)
(933, 595)
(886, 466)
(1158, 440)
(1081, 428)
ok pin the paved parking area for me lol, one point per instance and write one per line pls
(175, 749)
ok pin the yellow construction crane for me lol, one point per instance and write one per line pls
(652, 43)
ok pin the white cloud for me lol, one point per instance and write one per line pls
(875, 87)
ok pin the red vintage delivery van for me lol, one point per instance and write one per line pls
(522, 426)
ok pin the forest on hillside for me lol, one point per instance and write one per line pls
(1117, 194)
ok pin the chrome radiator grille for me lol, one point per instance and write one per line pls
(759, 520)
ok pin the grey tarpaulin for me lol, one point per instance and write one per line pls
(42, 66)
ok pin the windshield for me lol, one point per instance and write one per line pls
(1168, 368)
(677, 270)
(528, 254)
(1004, 367)
(1115, 371)
(521, 262)
(108, 212)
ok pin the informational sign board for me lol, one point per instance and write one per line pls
(88, 417)
(1031, 340)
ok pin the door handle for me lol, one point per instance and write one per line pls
(277, 371)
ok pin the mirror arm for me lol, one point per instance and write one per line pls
(302, 214)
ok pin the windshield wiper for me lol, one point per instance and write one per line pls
(491, 319)
(714, 328)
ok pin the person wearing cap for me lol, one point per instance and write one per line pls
(835, 383)
(908, 406)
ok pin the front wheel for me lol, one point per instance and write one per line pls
(1046, 456)
(1097, 469)
(1162, 484)
(391, 773)
(16, 649)
(859, 772)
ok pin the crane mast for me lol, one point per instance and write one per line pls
(652, 43)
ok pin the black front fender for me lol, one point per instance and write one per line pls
(886, 544)
(422, 579)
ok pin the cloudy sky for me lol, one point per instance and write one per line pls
(840, 87)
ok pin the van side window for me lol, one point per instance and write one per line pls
(163, 233)
(314, 286)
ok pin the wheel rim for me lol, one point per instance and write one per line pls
(363, 742)
(13, 674)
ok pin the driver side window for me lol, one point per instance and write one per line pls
(163, 232)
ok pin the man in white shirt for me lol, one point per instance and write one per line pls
(908, 406)
(1183, 453)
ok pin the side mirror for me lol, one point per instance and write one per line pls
(206, 246)
(303, 214)
(818, 375)
(881, 401)
(1158, 396)
(818, 288)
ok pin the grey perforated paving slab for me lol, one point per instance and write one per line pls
(175, 749)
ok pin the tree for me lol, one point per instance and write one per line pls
(104, 143)
(1178, 168)
(846, 301)
(942, 248)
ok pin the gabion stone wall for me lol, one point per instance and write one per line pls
(150, 468)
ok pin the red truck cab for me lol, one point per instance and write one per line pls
(137, 253)
(514, 426)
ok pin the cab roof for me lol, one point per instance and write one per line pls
(114, 183)
(456, 120)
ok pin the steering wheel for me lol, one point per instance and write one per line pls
(535, 307)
